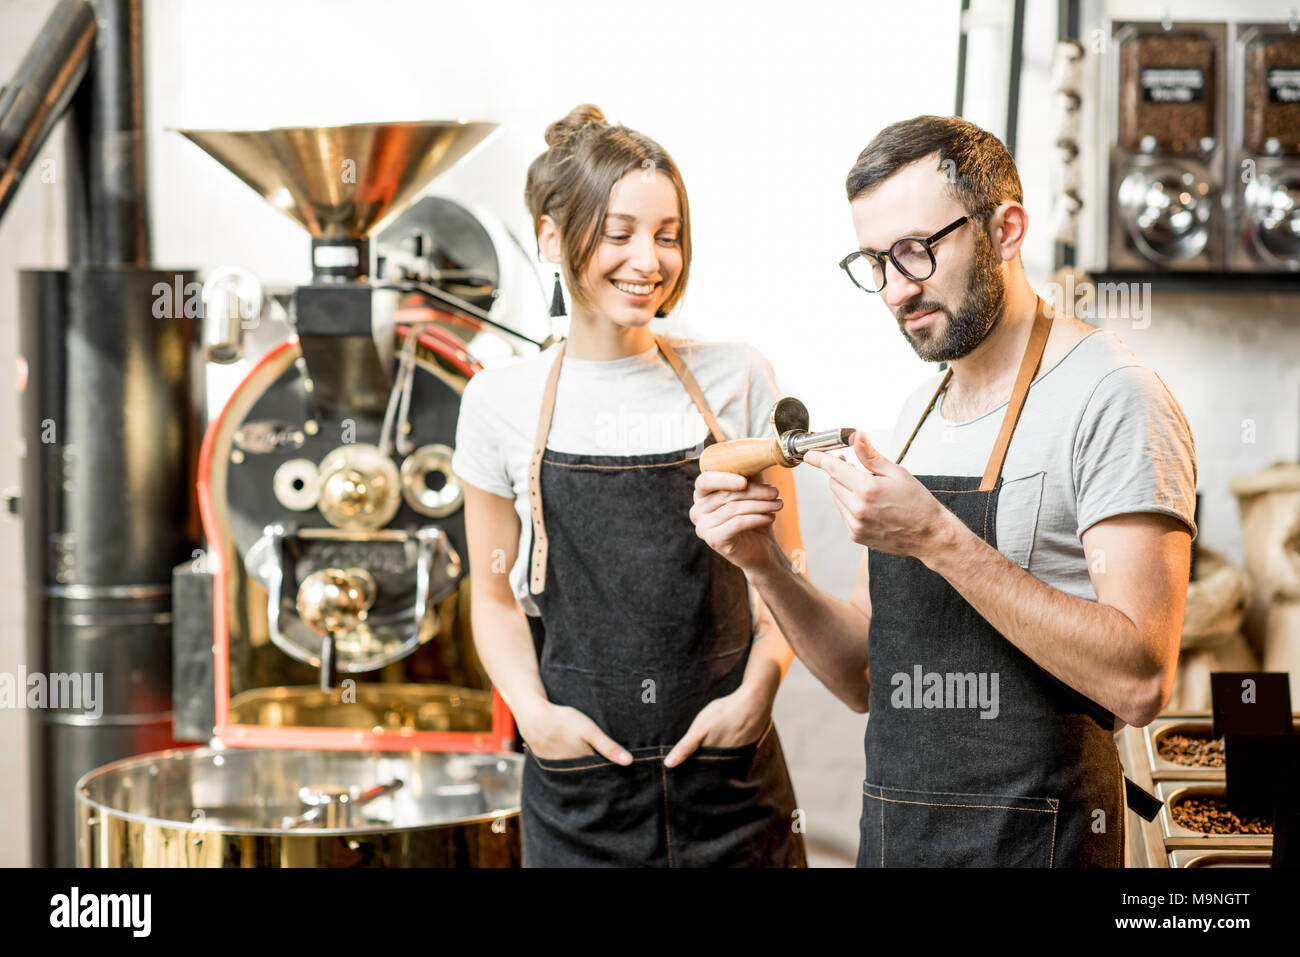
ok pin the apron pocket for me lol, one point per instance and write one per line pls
(585, 762)
(731, 807)
(743, 752)
(908, 828)
(588, 811)
(1019, 503)
(733, 760)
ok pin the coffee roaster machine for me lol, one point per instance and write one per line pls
(290, 592)
(326, 619)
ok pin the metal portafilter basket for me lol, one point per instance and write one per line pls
(789, 443)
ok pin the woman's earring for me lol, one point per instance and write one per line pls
(557, 298)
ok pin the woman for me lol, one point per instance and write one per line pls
(636, 675)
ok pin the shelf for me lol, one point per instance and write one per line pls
(1235, 282)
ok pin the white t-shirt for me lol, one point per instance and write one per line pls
(1099, 436)
(630, 406)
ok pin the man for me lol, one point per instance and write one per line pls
(1025, 572)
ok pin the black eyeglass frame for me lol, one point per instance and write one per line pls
(925, 241)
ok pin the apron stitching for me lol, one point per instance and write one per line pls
(579, 465)
(668, 828)
(590, 767)
(999, 807)
(1051, 857)
(866, 793)
(1122, 850)
(719, 757)
(882, 835)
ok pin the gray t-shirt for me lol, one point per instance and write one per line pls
(630, 406)
(1099, 436)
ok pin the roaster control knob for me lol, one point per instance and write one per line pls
(359, 487)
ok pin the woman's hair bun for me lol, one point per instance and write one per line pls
(582, 115)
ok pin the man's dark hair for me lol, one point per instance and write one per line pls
(980, 172)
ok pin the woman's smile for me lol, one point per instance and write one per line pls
(638, 292)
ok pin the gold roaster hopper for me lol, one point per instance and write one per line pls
(339, 181)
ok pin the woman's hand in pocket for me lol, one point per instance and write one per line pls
(556, 732)
(728, 722)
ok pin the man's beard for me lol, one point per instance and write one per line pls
(985, 300)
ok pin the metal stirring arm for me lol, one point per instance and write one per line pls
(332, 805)
(393, 433)
(455, 302)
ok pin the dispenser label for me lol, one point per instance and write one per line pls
(1284, 85)
(1173, 84)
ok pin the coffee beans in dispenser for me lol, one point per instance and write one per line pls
(1167, 94)
(1266, 208)
(1272, 110)
(1166, 162)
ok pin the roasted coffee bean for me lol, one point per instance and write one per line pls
(1210, 815)
(1197, 750)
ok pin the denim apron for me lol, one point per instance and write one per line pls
(1036, 783)
(642, 625)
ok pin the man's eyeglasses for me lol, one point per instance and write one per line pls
(911, 256)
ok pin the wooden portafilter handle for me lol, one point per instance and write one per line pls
(742, 456)
(748, 457)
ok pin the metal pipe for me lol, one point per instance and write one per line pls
(961, 58)
(108, 213)
(1067, 28)
(108, 510)
(41, 89)
(1017, 65)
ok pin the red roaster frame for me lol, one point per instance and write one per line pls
(502, 734)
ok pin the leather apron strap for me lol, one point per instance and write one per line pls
(537, 570)
(537, 573)
(692, 387)
(1029, 363)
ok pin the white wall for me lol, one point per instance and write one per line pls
(765, 106)
(32, 236)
